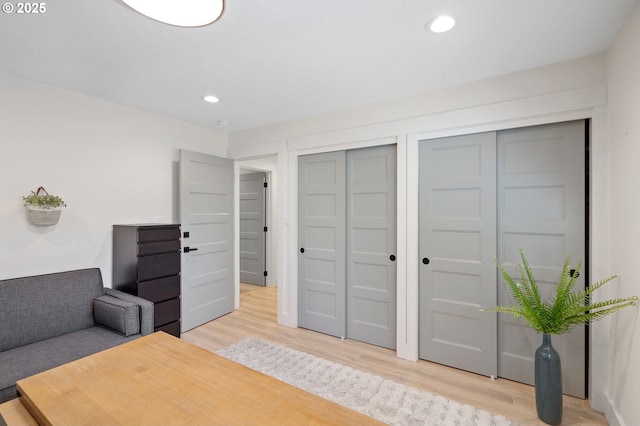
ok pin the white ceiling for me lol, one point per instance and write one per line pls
(276, 60)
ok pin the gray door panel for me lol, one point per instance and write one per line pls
(371, 241)
(458, 240)
(252, 223)
(206, 212)
(541, 210)
(540, 197)
(321, 267)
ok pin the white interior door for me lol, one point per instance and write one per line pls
(541, 202)
(371, 245)
(252, 228)
(458, 275)
(206, 214)
(321, 235)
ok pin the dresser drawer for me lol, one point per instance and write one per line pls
(158, 247)
(160, 289)
(147, 235)
(158, 266)
(166, 312)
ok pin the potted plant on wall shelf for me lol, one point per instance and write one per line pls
(43, 208)
(563, 311)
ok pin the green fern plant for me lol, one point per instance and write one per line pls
(44, 200)
(565, 309)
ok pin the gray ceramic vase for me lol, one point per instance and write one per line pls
(548, 382)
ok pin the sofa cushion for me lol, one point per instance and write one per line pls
(46, 306)
(25, 361)
(117, 315)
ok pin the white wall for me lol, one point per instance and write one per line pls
(110, 163)
(623, 81)
(559, 92)
(582, 72)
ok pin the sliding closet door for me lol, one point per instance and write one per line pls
(371, 245)
(457, 246)
(539, 173)
(541, 209)
(322, 251)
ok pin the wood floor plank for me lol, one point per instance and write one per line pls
(257, 317)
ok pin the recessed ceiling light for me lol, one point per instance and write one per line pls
(182, 13)
(211, 98)
(441, 24)
(223, 123)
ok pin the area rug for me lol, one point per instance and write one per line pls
(385, 400)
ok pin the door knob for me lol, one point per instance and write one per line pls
(302, 250)
(392, 258)
(188, 249)
(573, 273)
(425, 260)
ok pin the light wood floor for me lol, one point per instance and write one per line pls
(257, 317)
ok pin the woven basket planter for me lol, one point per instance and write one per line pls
(43, 217)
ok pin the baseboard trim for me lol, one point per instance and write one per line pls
(611, 412)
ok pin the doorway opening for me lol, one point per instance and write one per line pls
(257, 213)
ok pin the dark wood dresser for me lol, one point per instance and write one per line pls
(146, 263)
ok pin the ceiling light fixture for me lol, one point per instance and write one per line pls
(441, 24)
(211, 99)
(182, 13)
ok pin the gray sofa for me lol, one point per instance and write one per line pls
(49, 320)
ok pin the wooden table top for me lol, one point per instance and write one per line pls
(162, 380)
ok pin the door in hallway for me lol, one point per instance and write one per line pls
(252, 228)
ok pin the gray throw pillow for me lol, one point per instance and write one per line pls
(117, 314)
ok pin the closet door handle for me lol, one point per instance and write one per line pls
(188, 249)
(425, 260)
(392, 258)
(302, 250)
